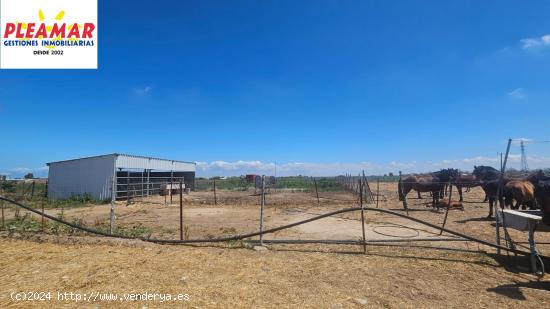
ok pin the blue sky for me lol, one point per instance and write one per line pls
(319, 87)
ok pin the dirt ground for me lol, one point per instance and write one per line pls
(330, 276)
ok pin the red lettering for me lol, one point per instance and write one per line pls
(88, 29)
(57, 31)
(19, 32)
(30, 30)
(74, 32)
(42, 33)
(10, 28)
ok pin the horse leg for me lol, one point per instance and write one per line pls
(419, 195)
(486, 198)
(491, 202)
(459, 188)
(404, 189)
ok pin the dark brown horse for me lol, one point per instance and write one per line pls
(542, 193)
(490, 179)
(467, 181)
(434, 183)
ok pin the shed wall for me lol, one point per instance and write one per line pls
(76, 177)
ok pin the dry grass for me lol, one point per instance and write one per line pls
(288, 276)
(285, 277)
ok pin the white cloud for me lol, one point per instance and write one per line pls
(536, 43)
(517, 94)
(224, 168)
(143, 91)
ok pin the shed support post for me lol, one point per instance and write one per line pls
(171, 185)
(148, 182)
(181, 209)
(113, 200)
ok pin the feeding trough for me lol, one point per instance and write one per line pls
(529, 221)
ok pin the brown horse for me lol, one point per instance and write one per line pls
(434, 183)
(467, 181)
(542, 193)
(522, 191)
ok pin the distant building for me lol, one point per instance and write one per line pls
(128, 175)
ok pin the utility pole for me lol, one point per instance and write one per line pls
(524, 166)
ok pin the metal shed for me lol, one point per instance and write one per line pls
(128, 175)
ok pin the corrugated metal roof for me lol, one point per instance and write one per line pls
(124, 155)
(137, 162)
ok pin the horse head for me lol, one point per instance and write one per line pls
(446, 175)
(485, 173)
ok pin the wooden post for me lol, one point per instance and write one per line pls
(377, 190)
(32, 190)
(215, 196)
(44, 197)
(499, 193)
(113, 200)
(362, 215)
(316, 191)
(2, 206)
(171, 185)
(42, 208)
(262, 204)
(448, 207)
(181, 210)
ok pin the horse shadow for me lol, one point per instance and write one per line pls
(517, 265)
(480, 219)
(513, 291)
(431, 209)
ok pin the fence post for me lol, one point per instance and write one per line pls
(499, 193)
(262, 204)
(215, 196)
(181, 210)
(2, 205)
(316, 190)
(32, 189)
(362, 215)
(377, 190)
(448, 207)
